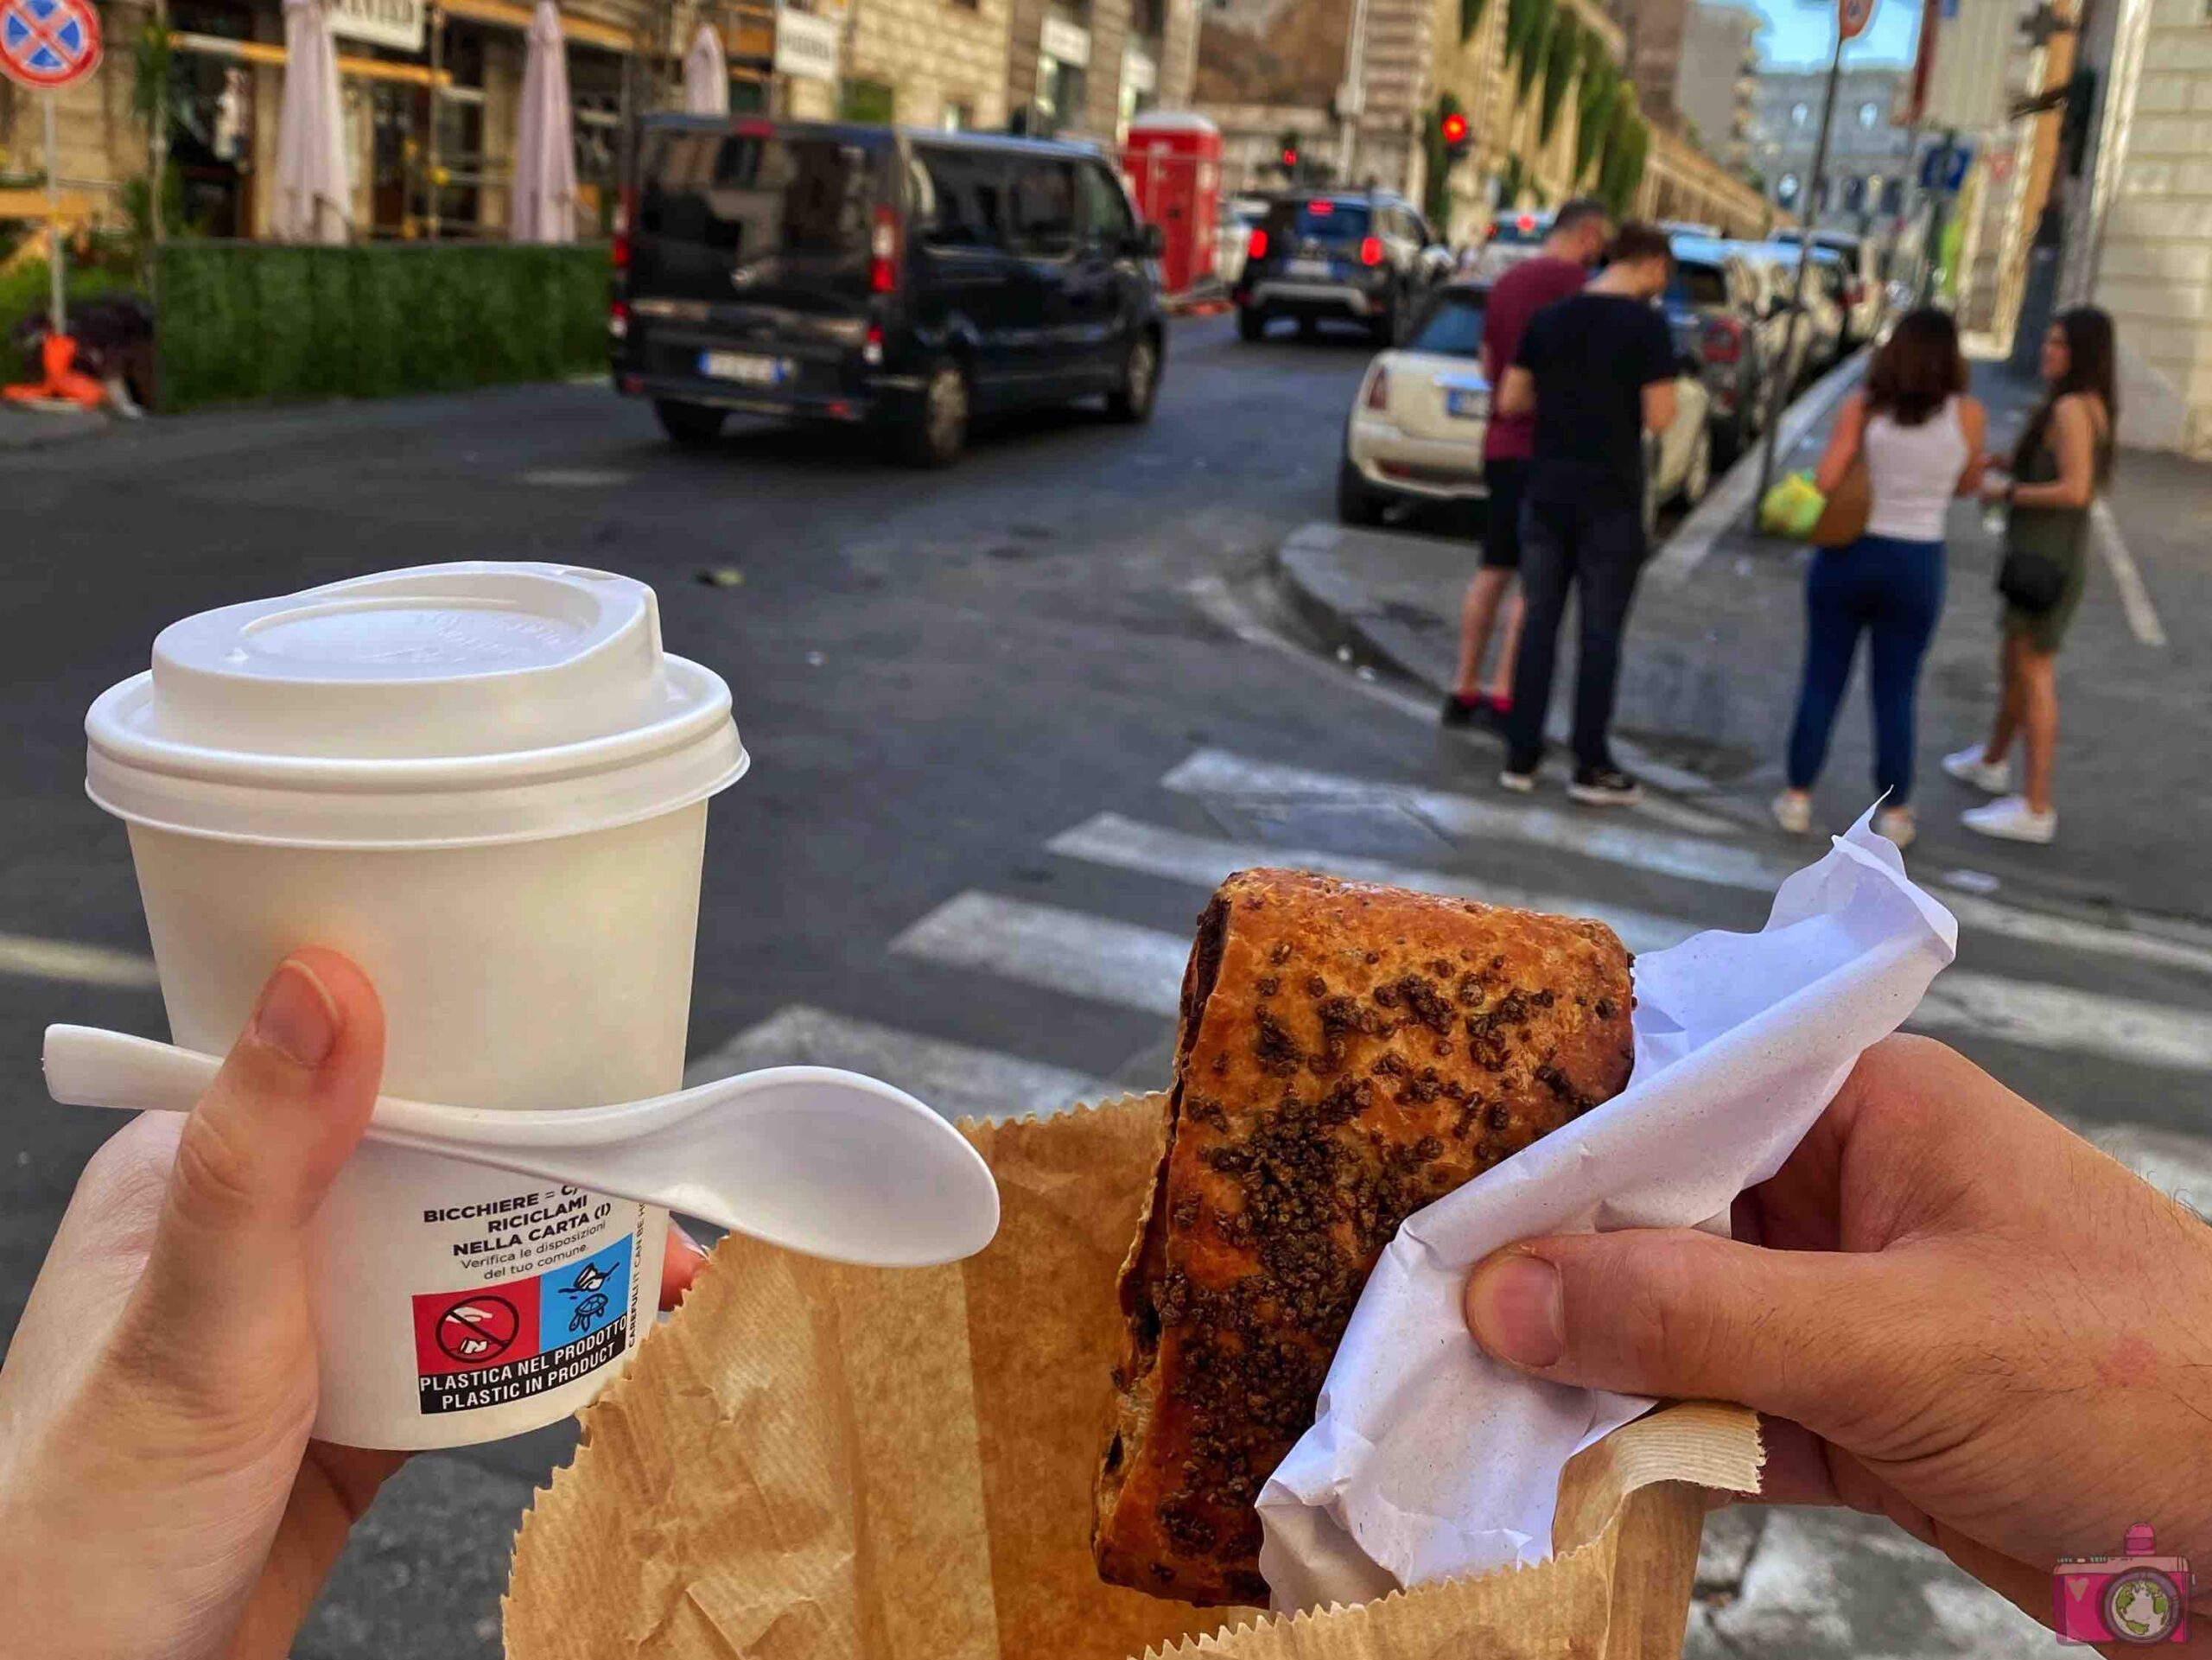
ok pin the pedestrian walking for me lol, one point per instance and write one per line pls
(2063, 459)
(1579, 234)
(1597, 370)
(1918, 438)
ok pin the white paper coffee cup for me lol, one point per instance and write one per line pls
(487, 785)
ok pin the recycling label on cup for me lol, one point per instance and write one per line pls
(492, 1343)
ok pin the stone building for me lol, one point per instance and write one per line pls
(1869, 150)
(1716, 80)
(1086, 67)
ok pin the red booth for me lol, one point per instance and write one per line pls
(1173, 161)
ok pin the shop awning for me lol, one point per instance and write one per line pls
(579, 31)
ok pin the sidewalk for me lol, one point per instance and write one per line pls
(28, 429)
(1710, 675)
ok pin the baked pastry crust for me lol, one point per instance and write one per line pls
(1347, 1054)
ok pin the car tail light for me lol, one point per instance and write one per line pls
(754, 127)
(1320, 209)
(1527, 223)
(1378, 389)
(618, 320)
(1370, 251)
(1722, 341)
(883, 253)
(1256, 247)
(625, 213)
(872, 347)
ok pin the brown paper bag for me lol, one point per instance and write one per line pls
(818, 1461)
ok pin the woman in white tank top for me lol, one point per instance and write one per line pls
(1920, 437)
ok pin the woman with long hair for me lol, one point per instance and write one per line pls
(1919, 437)
(2063, 460)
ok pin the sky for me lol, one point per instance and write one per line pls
(1801, 32)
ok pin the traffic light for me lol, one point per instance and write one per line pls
(1290, 158)
(1453, 129)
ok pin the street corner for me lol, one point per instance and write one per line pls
(1389, 597)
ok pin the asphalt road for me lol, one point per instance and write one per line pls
(1004, 721)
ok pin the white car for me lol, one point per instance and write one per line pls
(1417, 424)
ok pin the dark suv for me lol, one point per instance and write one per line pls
(865, 274)
(1363, 255)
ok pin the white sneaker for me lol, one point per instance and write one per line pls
(1896, 823)
(1990, 777)
(1519, 783)
(1794, 813)
(2008, 818)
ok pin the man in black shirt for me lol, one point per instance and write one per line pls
(1599, 371)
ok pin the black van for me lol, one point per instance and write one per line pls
(869, 274)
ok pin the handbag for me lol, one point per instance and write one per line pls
(2031, 579)
(1843, 518)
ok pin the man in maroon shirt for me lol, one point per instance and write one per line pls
(1578, 234)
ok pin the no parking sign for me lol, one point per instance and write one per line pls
(47, 44)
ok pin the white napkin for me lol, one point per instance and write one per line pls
(1427, 1459)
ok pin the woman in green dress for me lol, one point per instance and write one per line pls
(2063, 460)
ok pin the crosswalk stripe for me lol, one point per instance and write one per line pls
(1114, 962)
(958, 1080)
(1222, 774)
(1204, 862)
(1045, 945)
(84, 965)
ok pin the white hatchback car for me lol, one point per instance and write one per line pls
(1416, 428)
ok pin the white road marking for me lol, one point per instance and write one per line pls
(1223, 775)
(1728, 500)
(958, 1080)
(83, 965)
(1073, 951)
(1205, 861)
(2134, 597)
(1114, 962)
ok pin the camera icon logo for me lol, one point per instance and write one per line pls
(2136, 1597)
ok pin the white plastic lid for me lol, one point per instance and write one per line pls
(444, 706)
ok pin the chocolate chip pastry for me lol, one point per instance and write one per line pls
(1347, 1054)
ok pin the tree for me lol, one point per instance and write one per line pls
(1628, 144)
(1470, 19)
(1561, 59)
(1532, 58)
(1593, 111)
(1527, 22)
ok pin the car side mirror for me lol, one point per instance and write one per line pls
(1152, 241)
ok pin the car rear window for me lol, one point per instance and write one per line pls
(1318, 220)
(1524, 230)
(753, 194)
(1452, 328)
(1698, 285)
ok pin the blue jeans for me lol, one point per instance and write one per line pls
(1892, 591)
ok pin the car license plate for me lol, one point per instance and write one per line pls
(741, 366)
(1310, 268)
(1468, 405)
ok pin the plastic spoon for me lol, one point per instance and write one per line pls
(827, 1162)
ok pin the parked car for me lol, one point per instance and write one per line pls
(1512, 238)
(1234, 222)
(1365, 256)
(868, 275)
(1712, 304)
(1416, 428)
(1867, 297)
(1794, 354)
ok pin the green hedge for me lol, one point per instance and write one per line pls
(243, 320)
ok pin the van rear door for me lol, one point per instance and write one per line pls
(765, 231)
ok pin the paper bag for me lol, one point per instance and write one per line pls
(849, 1464)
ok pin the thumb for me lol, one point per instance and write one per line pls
(1679, 1314)
(225, 1281)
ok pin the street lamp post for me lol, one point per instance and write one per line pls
(1812, 200)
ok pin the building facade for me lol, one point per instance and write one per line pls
(1869, 148)
(1087, 66)
(1717, 79)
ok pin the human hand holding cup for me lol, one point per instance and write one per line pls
(157, 1399)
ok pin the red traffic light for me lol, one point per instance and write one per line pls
(1289, 156)
(1454, 127)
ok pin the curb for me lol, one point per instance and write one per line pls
(25, 431)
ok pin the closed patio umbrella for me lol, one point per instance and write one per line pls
(706, 74)
(543, 208)
(315, 194)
